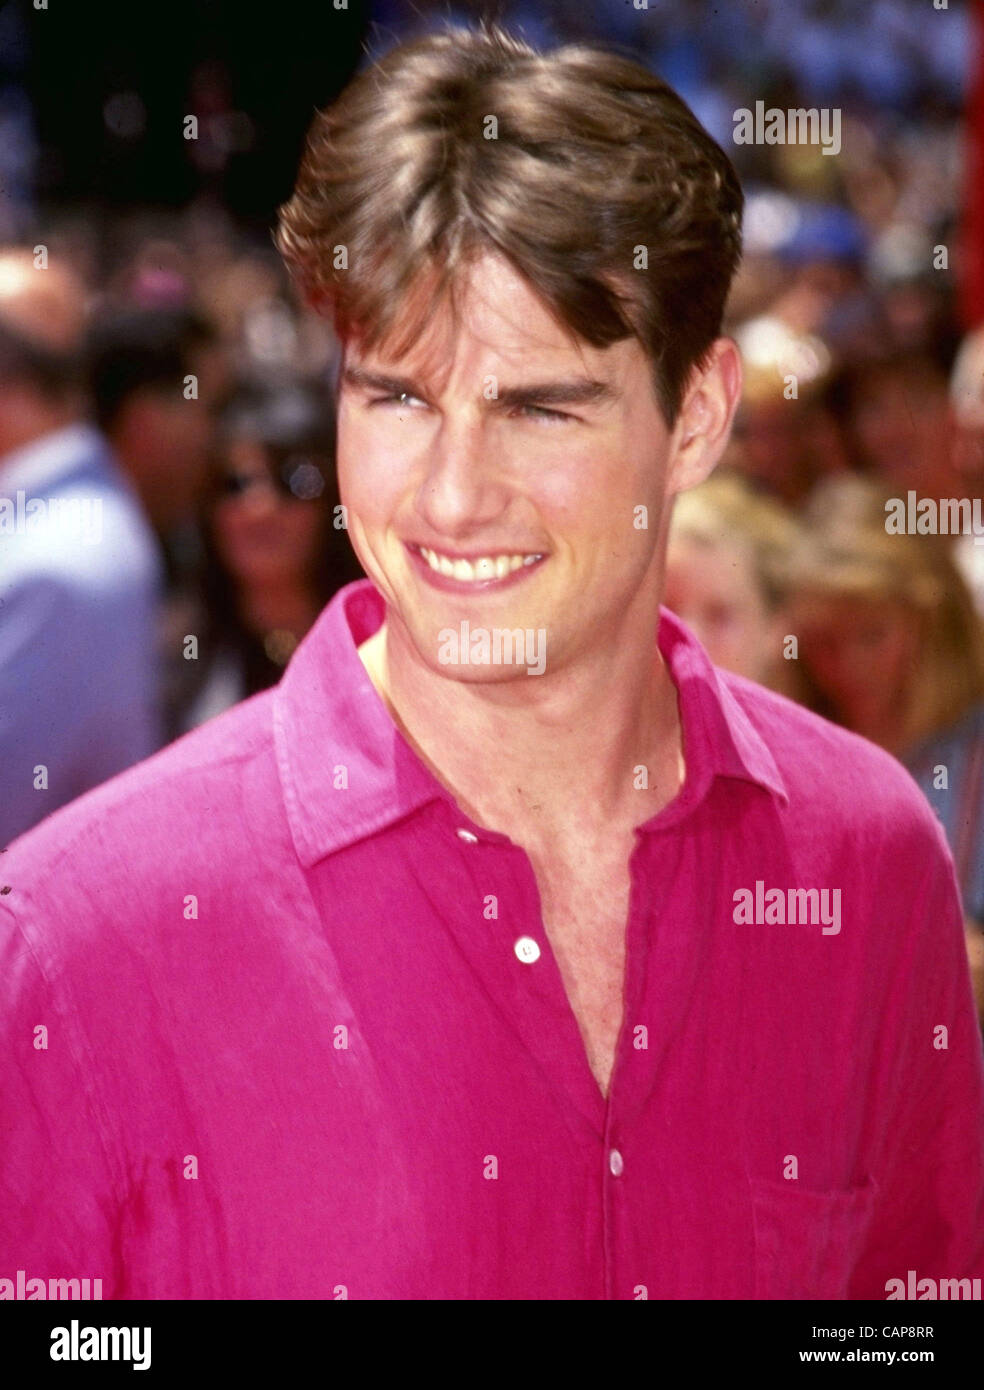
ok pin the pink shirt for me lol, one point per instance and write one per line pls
(290, 1051)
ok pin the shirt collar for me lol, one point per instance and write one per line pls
(719, 738)
(347, 772)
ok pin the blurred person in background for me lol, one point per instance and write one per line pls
(890, 639)
(728, 551)
(782, 447)
(893, 410)
(966, 435)
(79, 572)
(786, 436)
(275, 553)
(161, 426)
(139, 362)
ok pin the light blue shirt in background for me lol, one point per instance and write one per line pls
(80, 586)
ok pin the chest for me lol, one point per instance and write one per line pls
(584, 906)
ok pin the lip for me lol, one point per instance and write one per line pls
(449, 585)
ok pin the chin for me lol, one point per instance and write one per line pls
(482, 675)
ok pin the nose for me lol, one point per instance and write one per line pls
(463, 487)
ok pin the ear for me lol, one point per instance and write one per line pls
(703, 425)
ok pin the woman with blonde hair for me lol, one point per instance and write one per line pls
(728, 552)
(894, 649)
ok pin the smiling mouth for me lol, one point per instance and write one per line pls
(482, 569)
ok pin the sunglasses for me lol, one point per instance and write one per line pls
(294, 478)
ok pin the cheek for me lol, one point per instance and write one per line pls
(225, 522)
(353, 445)
(230, 540)
(895, 655)
(563, 496)
(595, 494)
(189, 427)
(300, 527)
(575, 464)
(372, 467)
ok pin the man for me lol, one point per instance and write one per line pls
(431, 975)
(79, 572)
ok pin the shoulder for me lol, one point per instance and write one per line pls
(836, 780)
(85, 531)
(105, 554)
(194, 803)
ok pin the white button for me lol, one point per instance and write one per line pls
(615, 1163)
(527, 950)
(468, 837)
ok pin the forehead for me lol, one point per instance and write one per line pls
(492, 320)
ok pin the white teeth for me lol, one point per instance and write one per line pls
(484, 568)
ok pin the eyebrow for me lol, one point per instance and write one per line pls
(543, 393)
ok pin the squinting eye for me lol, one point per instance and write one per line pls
(539, 412)
(404, 398)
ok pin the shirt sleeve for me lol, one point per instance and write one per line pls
(58, 1199)
(925, 1103)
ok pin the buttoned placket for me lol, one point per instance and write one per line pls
(629, 1080)
(536, 963)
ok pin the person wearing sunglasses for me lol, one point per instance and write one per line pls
(273, 553)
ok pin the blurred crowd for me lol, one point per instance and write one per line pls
(172, 426)
(163, 364)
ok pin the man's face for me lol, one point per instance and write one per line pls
(504, 444)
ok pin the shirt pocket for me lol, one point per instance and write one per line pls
(808, 1242)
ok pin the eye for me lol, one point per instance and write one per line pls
(539, 412)
(402, 398)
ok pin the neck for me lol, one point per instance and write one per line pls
(553, 754)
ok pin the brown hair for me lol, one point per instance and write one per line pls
(592, 158)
